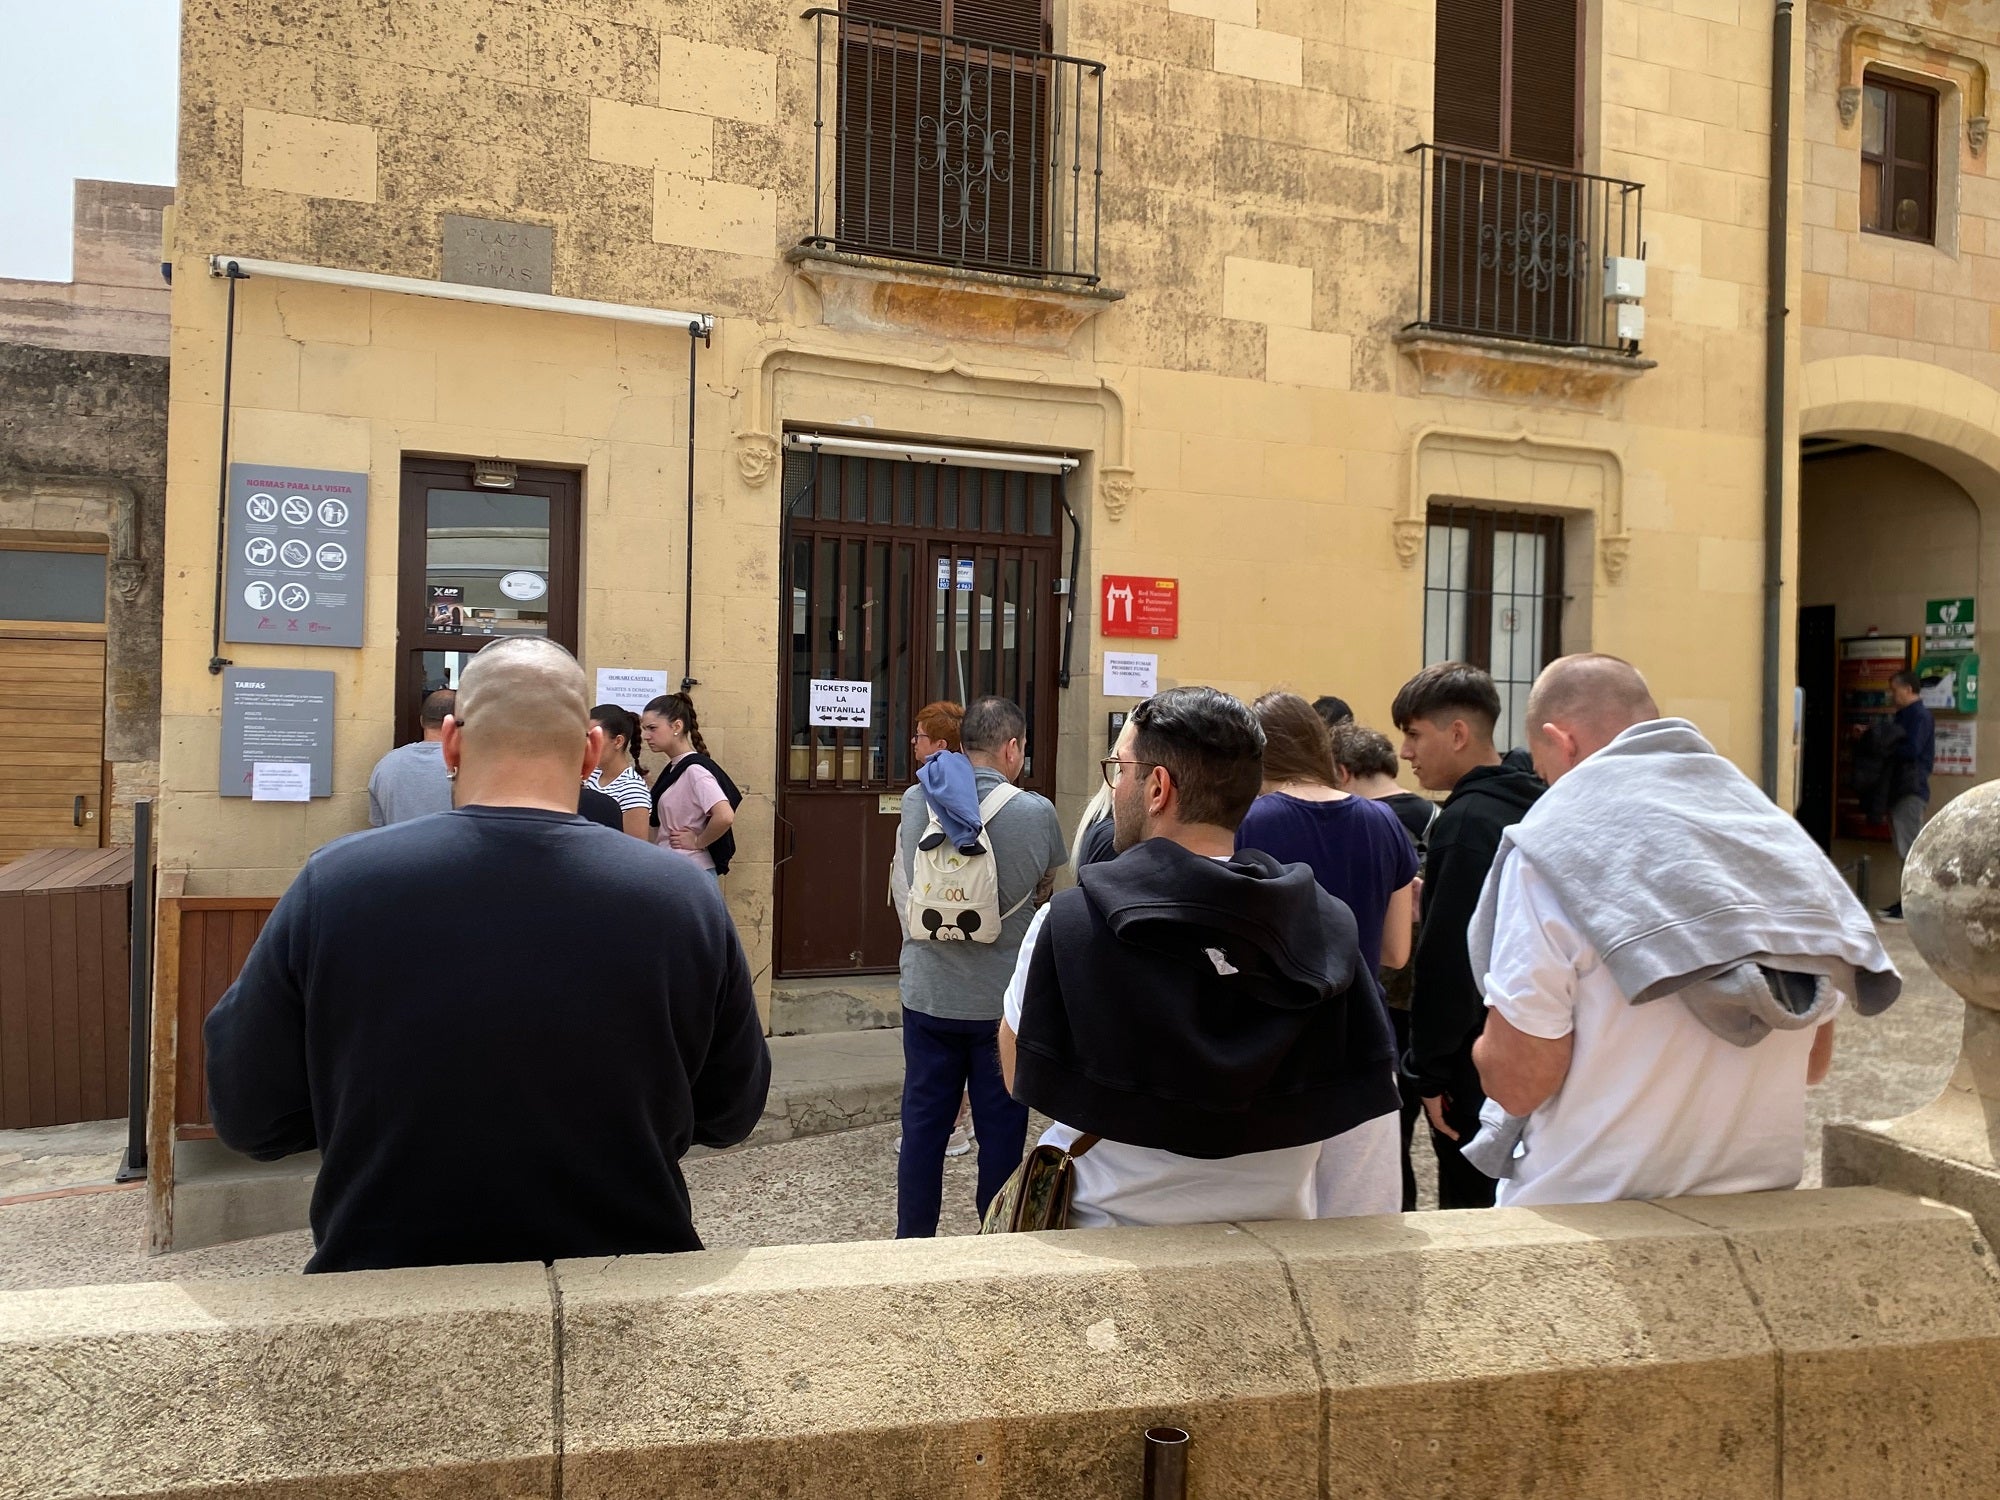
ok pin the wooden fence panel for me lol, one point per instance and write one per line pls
(65, 973)
(215, 937)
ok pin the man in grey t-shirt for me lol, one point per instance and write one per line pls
(410, 780)
(952, 992)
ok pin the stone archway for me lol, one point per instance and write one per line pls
(1910, 512)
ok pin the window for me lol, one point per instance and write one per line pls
(1899, 160)
(1493, 597)
(52, 585)
(1509, 79)
(1515, 241)
(945, 143)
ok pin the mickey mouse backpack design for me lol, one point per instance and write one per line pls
(955, 894)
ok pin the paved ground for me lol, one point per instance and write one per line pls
(810, 1190)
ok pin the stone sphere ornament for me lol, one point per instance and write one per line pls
(1951, 895)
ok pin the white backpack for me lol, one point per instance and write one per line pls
(954, 897)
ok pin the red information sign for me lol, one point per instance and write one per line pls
(1130, 605)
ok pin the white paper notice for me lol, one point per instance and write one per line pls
(630, 687)
(841, 705)
(281, 781)
(1131, 674)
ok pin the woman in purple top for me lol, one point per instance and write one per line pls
(1359, 854)
(1357, 848)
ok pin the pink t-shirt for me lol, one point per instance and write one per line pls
(684, 807)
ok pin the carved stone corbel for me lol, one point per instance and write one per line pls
(1850, 105)
(756, 456)
(1975, 134)
(1114, 488)
(1409, 536)
(1615, 550)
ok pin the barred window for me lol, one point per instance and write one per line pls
(1493, 596)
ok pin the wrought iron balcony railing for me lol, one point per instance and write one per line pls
(949, 149)
(1512, 250)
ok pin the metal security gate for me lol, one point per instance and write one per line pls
(924, 582)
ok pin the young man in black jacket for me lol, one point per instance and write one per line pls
(501, 1026)
(1447, 714)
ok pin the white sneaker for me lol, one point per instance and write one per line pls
(960, 1142)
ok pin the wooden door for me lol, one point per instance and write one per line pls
(925, 583)
(51, 742)
(1818, 672)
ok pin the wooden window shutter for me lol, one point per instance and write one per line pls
(1542, 87)
(924, 15)
(1507, 78)
(915, 117)
(1021, 24)
(1467, 97)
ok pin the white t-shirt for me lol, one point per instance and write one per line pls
(1655, 1104)
(1137, 1185)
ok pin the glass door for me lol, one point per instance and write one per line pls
(479, 565)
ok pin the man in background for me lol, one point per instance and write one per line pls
(1911, 758)
(410, 781)
(952, 991)
(1447, 714)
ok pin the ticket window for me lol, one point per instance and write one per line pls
(479, 563)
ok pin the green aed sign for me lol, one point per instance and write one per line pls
(1948, 626)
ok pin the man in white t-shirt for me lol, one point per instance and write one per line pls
(1654, 871)
(1204, 1012)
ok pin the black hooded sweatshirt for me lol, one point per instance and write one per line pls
(1205, 1007)
(1447, 1004)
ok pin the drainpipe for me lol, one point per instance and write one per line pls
(1774, 387)
(698, 332)
(216, 660)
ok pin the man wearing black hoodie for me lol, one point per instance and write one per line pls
(1447, 714)
(1198, 1019)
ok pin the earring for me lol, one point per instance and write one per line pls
(451, 773)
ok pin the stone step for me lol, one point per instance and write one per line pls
(818, 1007)
(819, 1084)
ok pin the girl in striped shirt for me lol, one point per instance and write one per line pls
(619, 775)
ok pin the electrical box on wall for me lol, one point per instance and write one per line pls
(1631, 321)
(1624, 278)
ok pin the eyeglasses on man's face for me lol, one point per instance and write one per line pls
(1111, 766)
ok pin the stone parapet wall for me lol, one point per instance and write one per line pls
(1808, 1344)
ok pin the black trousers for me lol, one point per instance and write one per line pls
(1413, 1109)
(1460, 1183)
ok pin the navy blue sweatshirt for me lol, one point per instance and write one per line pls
(502, 1028)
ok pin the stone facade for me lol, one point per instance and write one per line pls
(1246, 419)
(83, 446)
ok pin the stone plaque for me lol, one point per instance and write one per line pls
(494, 252)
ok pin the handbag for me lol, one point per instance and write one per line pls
(1037, 1195)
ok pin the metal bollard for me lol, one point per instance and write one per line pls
(1166, 1463)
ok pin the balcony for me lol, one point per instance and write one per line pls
(1511, 250)
(955, 152)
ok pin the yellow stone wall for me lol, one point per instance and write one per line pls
(1246, 419)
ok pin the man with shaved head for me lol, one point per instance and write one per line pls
(501, 1026)
(1662, 952)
